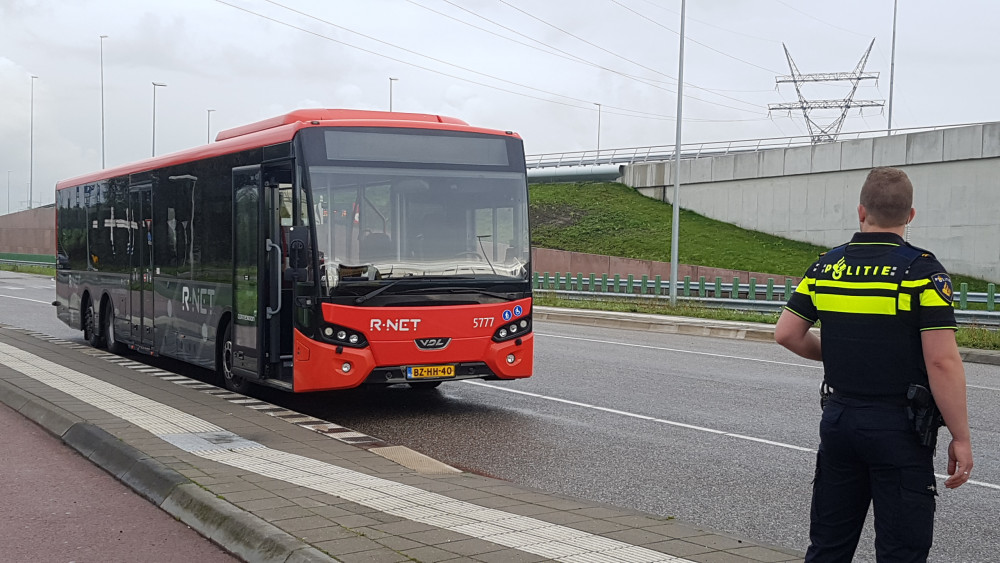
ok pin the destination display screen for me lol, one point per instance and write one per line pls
(410, 148)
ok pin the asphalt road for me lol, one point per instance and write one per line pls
(716, 432)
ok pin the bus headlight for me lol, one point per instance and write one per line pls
(343, 336)
(516, 328)
(510, 358)
(346, 367)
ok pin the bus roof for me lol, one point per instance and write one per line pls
(281, 129)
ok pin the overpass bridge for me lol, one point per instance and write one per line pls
(598, 165)
(810, 192)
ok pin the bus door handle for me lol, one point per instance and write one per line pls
(277, 248)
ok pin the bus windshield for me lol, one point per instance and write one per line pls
(408, 217)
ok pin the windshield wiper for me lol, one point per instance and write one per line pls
(376, 291)
(362, 298)
(460, 290)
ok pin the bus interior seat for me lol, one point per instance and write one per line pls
(376, 246)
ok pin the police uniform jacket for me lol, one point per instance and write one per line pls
(873, 297)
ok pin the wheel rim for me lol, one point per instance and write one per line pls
(227, 365)
(109, 328)
(88, 323)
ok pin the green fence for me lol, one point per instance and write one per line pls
(33, 259)
(767, 290)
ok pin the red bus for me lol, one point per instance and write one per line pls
(321, 249)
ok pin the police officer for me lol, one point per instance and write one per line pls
(886, 322)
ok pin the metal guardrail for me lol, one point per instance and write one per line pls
(768, 297)
(26, 263)
(985, 319)
(658, 153)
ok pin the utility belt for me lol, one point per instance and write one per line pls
(920, 408)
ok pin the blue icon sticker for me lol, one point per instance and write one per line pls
(518, 310)
(506, 315)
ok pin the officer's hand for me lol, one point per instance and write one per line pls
(959, 463)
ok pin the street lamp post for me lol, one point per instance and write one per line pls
(155, 86)
(208, 136)
(892, 64)
(391, 80)
(103, 37)
(31, 142)
(675, 226)
(598, 131)
(8, 191)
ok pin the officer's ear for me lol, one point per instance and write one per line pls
(862, 213)
(913, 213)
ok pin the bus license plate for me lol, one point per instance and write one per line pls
(424, 372)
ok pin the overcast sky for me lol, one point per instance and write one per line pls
(537, 67)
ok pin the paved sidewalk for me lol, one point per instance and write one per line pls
(269, 484)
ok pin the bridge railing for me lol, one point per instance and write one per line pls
(659, 153)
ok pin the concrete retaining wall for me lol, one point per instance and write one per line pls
(546, 260)
(811, 193)
(29, 232)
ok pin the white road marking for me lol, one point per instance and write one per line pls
(26, 299)
(665, 349)
(209, 441)
(674, 423)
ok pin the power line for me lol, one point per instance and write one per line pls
(578, 38)
(705, 23)
(710, 48)
(585, 104)
(569, 56)
(794, 9)
(555, 51)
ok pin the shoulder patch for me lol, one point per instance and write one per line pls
(942, 284)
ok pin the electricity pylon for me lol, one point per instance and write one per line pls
(828, 133)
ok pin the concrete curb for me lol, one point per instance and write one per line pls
(235, 530)
(698, 327)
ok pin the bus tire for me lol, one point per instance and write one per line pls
(108, 322)
(424, 385)
(232, 381)
(91, 330)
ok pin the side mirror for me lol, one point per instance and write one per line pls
(298, 257)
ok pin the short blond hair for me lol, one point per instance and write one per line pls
(887, 196)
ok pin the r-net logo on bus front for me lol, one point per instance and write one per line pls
(394, 325)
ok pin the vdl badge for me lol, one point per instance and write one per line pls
(426, 372)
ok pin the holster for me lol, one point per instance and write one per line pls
(824, 395)
(924, 414)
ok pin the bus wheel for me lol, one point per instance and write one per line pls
(108, 322)
(235, 383)
(90, 329)
(424, 385)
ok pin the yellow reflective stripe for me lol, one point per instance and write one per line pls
(904, 302)
(931, 298)
(798, 314)
(939, 328)
(915, 283)
(858, 304)
(857, 285)
(803, 286)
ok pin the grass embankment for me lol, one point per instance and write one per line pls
(615, 220)
(37, 270)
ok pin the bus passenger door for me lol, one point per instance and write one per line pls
(257, 259)
(141, 265)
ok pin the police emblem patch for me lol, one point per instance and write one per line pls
(942, 284)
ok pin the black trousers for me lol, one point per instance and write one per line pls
(868, 454)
